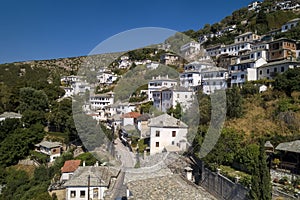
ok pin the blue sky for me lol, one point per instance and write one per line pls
(44, 29)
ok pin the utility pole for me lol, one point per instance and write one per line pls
(88, 193)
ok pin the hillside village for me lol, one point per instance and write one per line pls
(132, 111)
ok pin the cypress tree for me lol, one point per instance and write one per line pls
(261, 181)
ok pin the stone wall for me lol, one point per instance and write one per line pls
(221, 187)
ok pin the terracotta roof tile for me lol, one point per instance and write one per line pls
(70, 166)
(131, 115)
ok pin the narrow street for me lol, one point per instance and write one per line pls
(125, 156)
(128, 161)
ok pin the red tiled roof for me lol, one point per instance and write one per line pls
(131, 115)
(70, 166)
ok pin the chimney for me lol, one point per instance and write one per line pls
(83, 163)
(97, 164)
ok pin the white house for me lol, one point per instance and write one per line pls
(67, 171)
(69, 91)
(130, 118)
(246, 37)
(170, 59)
(245, 70)
(214, 78)
(235, 49)
(191, 77)
(90, 180)
(124, 62)
(190, 48)
(99, 101)
(52, 149)
(152, 65)
(80, 87)
(167, 132)
(68, 80)
(215, 50)
(142, 125)
(270, 70)
(106, 78)
(165, 98)
(10, 115)
(159, 82)
(290, 24)
(254, 6)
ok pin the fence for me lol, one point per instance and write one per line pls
(221, 187)
(217, 184)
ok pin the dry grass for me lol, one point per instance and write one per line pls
(29, 169)
(258, 120)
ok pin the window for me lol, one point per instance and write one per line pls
(282, 69)
(258, 54)
(177, 95)
(95, 193)
(268, 71)
(73, 193)
(173, 143)
(173, 133)
(185, 96)
(260, 72)
(82, 193)
(157, 133)
(243, 76)
(157, 144)
(275, 69)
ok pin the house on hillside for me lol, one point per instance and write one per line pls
(165, 98)
(92, 181)
(214, 78)
(254, 6)
(52, 149)
(290, 24)
(67, 171)
(270, 70)
(10, 115)
(130, 118)
(191, 77)
(246, 37)
(167, 133)
(142, 125)
(190, 48)
(281, 49)
(170, 59)
(157, 83)
(99, 101)
(106, 78)
(289, 156)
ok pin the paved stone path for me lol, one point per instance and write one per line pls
(126, 157)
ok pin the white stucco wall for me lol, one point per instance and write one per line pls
(77, 190)
(165, 138)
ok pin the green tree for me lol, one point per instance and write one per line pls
(234, 103)
(225, 149)
(288, 82)
(32, 99)
(261, 181)
(177, 111)
(88, 157)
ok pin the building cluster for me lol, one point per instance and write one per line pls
(252, 57)
(278, 5)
